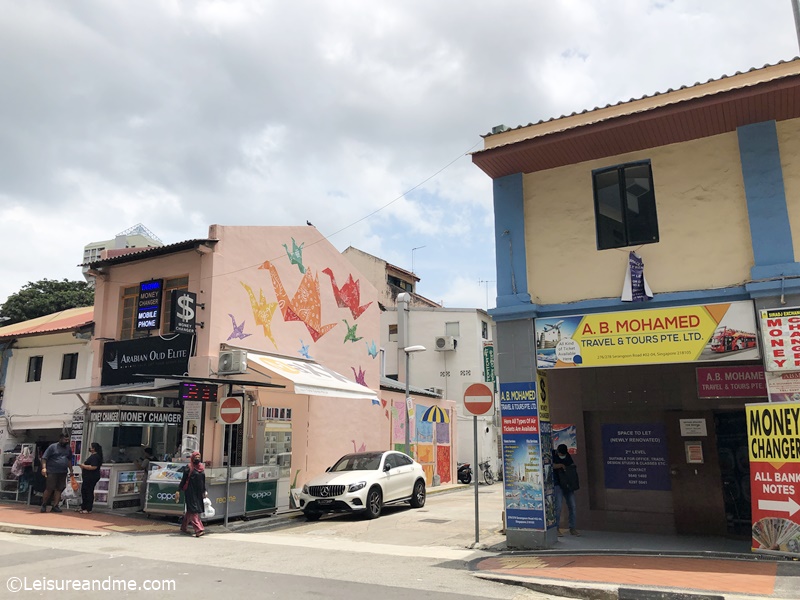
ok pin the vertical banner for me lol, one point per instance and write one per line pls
(773, 435)
(523, 469)
(780, 332)
(635, 288)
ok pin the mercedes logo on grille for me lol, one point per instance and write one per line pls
(325, 491)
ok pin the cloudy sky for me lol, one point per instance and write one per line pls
(355, 115)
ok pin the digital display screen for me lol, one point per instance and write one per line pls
(204, 392)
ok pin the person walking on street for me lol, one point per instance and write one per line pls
(56, 463)
(90, 473)
(193, 484)
(565, 480)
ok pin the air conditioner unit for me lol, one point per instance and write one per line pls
(232, 362)
(445, 343)
(436, 390)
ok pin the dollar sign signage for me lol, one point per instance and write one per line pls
(182, 316)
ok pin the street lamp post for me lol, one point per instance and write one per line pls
(408, 350)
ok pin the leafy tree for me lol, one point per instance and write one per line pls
(45, 297)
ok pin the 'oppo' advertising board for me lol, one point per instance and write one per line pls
(711, 332)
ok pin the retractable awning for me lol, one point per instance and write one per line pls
(123, 388)
(309, 377)
(38, 421)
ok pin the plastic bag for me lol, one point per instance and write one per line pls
(69, 493)
(208, 511)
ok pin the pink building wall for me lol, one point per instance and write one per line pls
(281, 290)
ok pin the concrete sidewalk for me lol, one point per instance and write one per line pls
(640, 577)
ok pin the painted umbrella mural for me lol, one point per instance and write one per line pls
(434, 414)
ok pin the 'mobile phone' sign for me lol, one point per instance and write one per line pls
(148, 307)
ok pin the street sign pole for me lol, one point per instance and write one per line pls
(478, 400)
(228, 479)
(475, 474)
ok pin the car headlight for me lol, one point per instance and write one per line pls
(354, 487)
(305, 488)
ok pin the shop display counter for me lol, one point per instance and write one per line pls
(252, 490)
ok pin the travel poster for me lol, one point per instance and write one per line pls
(523, 478)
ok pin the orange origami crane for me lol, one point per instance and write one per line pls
(305, 305)
(349, 295)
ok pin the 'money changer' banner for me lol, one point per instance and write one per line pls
(710, 332)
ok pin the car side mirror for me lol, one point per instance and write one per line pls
(387, 467)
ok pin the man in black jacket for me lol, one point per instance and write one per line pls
(564, 490)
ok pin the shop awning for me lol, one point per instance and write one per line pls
(124, 388)
(309, 377)
(16, 422)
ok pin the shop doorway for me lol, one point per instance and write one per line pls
(734, 464)
(697, 496)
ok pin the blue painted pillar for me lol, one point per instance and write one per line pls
(773, 248)
(509, 240)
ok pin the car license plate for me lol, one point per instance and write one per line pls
(325, 501)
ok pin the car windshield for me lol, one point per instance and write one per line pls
(358, 462)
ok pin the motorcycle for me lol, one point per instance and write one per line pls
(464, 472)
(488, 475)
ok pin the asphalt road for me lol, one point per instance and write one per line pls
(405, 553)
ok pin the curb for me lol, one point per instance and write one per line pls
(600, 591)
(34, 530)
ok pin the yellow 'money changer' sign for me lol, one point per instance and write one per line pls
(666, 335)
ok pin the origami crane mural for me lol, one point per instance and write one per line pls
(349, 295)
(262, 311)
(305, 306)
(296, 255)
(238, 330)
(351, 332)
(372, 349)
(361, 376)
(303, 350)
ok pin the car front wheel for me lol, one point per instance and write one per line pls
(418, 495)
(374, 503)
(312, 515)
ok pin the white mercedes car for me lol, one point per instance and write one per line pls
(364, 482)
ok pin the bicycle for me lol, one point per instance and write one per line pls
(488, 475)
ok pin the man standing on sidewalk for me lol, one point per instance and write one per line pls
(56, 463)
(565, 479)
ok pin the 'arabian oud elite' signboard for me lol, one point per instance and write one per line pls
(711, 332)
(773, 436)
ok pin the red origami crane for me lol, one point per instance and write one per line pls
(349, 295)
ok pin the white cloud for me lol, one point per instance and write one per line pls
(180, 115)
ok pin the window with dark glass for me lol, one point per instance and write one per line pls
(130, 296)
(625, 206)
(35, 368)
(69, 366)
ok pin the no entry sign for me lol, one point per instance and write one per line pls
(479, 399)
(230, 411)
